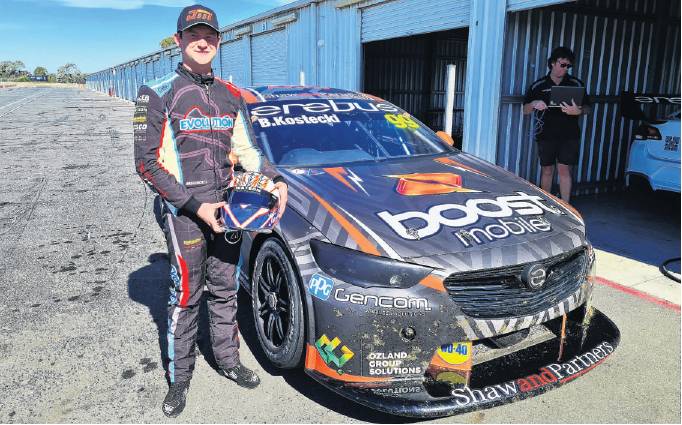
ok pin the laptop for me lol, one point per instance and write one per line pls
(561, 94)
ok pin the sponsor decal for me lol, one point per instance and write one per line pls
(326, 349)
(502, 229)
(143, 98)
(140, 119)
(382, 301)
(192, 243)
(139, 127)
(390, 364)
(250, 181)
(461, 215)
(320, 286)
(196, 121)
(323, 106)
(403, 121)
(299, 120)
(429, 184)
(396, 391)
(657, 99)
(456, 353)
(195, 183)
(202, 14)
(175, 278)
(672, 143)
(550, 374)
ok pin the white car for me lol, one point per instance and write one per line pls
(655, 154)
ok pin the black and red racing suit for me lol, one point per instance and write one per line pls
(185, 126)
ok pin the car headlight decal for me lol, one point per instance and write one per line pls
(351, 266)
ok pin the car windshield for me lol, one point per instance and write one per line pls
(320, 132)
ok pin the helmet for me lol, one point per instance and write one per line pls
(250, 203)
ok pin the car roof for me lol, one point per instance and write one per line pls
(264, 94)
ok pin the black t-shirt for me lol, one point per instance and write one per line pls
(555, 124)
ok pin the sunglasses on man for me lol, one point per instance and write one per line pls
(566, 65)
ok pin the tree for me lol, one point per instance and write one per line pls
(167, 42)
(70, 73)
(40, 71)
(10, 69)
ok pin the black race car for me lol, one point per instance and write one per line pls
(406, 275)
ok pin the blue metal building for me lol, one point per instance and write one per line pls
(399, 49)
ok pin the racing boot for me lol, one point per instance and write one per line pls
(243, 376)
(174, 403)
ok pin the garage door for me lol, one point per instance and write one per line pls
(415, 17)
(234, 56)
(269, 59)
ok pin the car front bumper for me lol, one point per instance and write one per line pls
(588, 338)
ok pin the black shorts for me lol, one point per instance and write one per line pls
(563, 151)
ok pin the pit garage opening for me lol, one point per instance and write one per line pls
(411, 72)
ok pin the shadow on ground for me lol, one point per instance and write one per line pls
(640, 225)
(301, 382)
(149, 286)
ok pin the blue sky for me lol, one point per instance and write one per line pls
(95, 34)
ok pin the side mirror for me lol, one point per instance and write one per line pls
(445, 137)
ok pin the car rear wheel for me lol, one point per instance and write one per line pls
(277, 306)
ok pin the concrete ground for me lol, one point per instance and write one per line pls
(83, 285)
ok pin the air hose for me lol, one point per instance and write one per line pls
(667, 273)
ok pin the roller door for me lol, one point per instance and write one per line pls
(269, 59)
(234, 57)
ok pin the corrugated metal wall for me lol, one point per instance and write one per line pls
(613, 42)
(269, 58)
(233, 63)
(414, 16)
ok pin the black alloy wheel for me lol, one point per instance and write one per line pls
(277, 307)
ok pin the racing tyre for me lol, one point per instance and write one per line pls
(277, 306)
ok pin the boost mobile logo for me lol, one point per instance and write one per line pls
(469, 213)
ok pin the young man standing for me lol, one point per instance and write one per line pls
(188, 125)
(557, 134)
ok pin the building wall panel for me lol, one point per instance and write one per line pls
(269, 59)
(233, 55)
(379, 22)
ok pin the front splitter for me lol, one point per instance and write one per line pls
(514, 377)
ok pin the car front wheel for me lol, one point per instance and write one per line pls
(277, 306)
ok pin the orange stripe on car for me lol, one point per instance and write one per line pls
(365, 245)
(338, 173)
(248, 96)
(451, 162)
(313, 361)
(433, 282)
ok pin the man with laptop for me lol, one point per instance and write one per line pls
(558, 99)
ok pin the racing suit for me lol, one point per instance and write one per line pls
(185, 126)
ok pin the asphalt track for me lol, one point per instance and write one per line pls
(83, 281)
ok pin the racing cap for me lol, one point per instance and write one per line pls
(195, 15)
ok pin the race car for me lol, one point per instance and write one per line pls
(406, 275)
(654, 155)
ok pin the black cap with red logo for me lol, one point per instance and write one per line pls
(195, 15)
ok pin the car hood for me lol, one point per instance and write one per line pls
(430, 207)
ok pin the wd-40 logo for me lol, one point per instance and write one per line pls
(320, 286)
(326, 349)
(195, 121)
